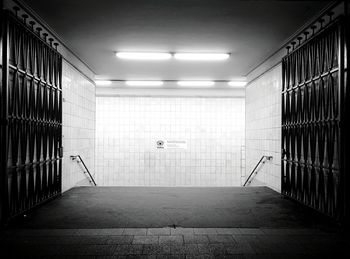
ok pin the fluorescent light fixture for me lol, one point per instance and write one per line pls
(103, 82)
(144, 83)
(143, 55)
(237, 83)
(196, 83)
(201, 56)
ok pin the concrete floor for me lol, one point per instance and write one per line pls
(145, 207)
(101, 223)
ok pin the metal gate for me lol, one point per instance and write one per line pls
(31, 118)
(312, 113)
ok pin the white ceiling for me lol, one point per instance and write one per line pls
(249, 30)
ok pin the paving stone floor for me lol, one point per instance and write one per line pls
(174, 243)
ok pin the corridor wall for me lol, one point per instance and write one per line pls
(210, 132)
(78, 126)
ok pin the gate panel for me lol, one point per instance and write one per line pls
(31, 118)
(311, 118)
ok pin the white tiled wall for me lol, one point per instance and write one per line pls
(78, 126)
(263, 127)
(127, 129)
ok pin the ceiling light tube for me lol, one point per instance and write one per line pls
(103, 82)
(237, 83)
(196, 83)
(143, 55)
(144, 83)
(202, 56)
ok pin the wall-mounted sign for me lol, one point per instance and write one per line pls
(172, 144)
(176, 144)
(160, 144)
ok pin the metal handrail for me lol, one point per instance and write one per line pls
(87, 170)
(262, 160)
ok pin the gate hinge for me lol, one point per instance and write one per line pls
(60, 151)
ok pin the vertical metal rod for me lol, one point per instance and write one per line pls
(25, 17)
(288, 49)
(4, 133)
(293, 44)
(59, 119)
(45, 36)
(342, 93)
(16, 9)
(330, 15)
(38, 30)
(32, 23)
(299, 40)
(56, 45)
(313, 27)
(321, 21)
